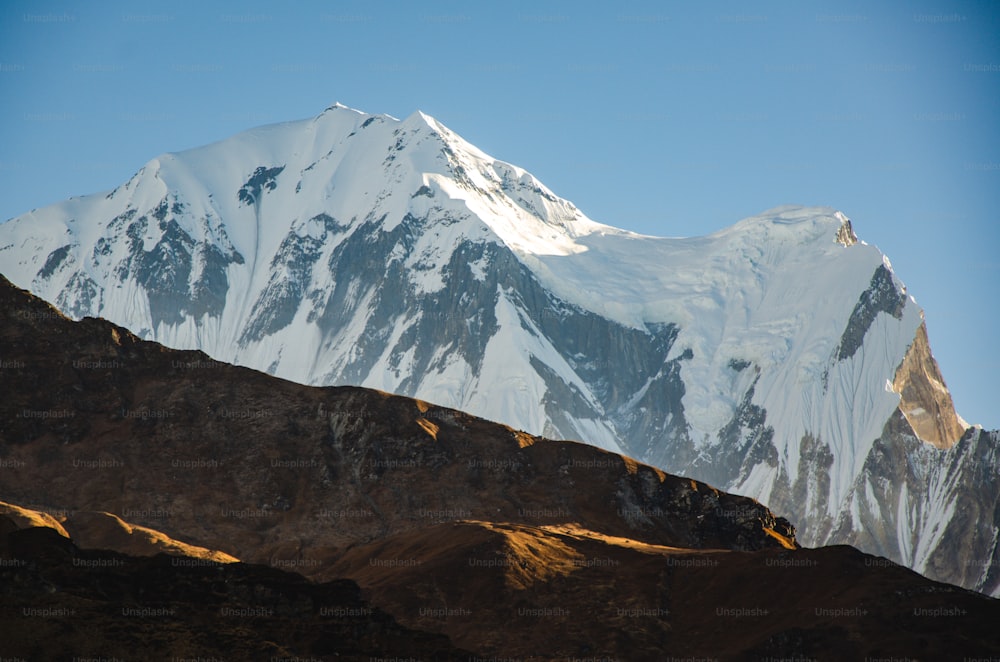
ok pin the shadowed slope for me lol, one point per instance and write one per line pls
(58, 602)
(510, 544)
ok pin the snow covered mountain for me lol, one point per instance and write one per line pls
(780, 358)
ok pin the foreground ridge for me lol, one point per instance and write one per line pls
(506, 543)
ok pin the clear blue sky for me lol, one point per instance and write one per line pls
(663, 118)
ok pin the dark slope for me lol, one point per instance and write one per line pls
(512, 545)
(58, 602)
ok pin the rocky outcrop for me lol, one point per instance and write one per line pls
(845, 235)
(942, 507)
(882, 296)
(924, 398)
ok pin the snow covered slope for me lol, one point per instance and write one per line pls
(768, 358)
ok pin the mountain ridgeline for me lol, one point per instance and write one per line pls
(157, 485)
(780, 358)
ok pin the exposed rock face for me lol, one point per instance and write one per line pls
(846, 236)
(951, 497)
(882, 296)
(924, 398)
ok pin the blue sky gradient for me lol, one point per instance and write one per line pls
(668, 119)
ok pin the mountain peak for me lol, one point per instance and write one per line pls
(845, 234)
(362, 249)
(420, 117)
(336, 105)
(796, 223)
